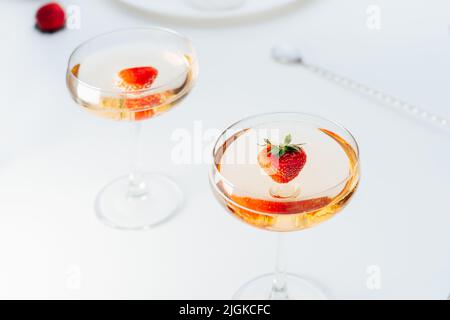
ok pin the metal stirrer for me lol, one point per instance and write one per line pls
(291, 55)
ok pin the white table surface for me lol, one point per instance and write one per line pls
(54, 157)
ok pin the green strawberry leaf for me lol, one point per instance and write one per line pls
(275, 151)
(286, 146)
(288, 139)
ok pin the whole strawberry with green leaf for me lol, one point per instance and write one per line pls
(283, 162)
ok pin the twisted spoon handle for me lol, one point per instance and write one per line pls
(381, 97)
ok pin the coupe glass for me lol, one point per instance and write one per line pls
(96, 80)
(256, 193)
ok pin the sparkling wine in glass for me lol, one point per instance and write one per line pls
(133, 75)
(284, 172)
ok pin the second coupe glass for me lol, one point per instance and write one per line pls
(134, 75)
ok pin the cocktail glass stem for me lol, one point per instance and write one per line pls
(137, 186)
(279, 285)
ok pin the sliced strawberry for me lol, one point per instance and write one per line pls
(140, 78)
(137, 78)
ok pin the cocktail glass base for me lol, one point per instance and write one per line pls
(261, 288)
(116, 208)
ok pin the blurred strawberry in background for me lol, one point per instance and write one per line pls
(50, 18)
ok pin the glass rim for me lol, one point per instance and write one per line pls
(133, 92)
(214, 170)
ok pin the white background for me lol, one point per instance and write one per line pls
(54, 157)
